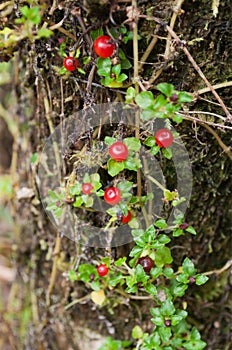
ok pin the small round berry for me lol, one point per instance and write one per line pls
(104, 46)
(168, 323)
(92, 276)
(174, 98)
(118, 151)
(87, 188)
(147, 263)
(102, 270)
(112, 195)
(127, 218)
(164, 138)
(192, 280)
(70, 63)
(184, 226)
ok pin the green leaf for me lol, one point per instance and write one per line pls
(163, 256)
(100, 193)
(163, 239)
(113, 211)
(125, 186)
(157, 320)
(155, 150)
(120, 261)
(140, 274)
(167, 308)
(165, 333)
(125, 64)
(134, 223)
(148, 114)
(166, 89)
(145, 99)
(105, 72)
(76, 189)
(44, 33)
(104, 66)
(160, 102)
(184, 97)
(121, 54)
(168, 272)
(132, 143)
(116, 70)
(58, 212)
(131, 281)
(88, 201)
(167, 152)
(78, 202)
(151, 289)
(169, 196)
(191, 230)
(183, 278)
(109, 140)
(96, 33)
(161, 223)
(155, 272)
(114, 167)
(122, 77)
(177, 118)
(86, 59)
(188, 267)
(176, 319)
(116, 279)
(51, 206)
(53, 195)
(62, 71)
(85, 270)
(86, 178)
(32, 14)
(34, 158)
(178, 201)
(132, 163)
(136, 251)
(201, 279)
(177, 232)
(150, 141)
(194, 345)
(137, 332)
(72, 276)
(80, 70)
(130, 95)
(179, 290)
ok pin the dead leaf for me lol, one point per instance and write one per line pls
(98, 297)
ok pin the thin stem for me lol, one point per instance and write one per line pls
(176, 11)
(217, 86)
(152, 179)
(76, 301)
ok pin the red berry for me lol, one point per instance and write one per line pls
(112, 195)
(164, 138)
(118, 151)
(104, 46)
(127, 218)
(102, 270)
(87, 188)
(70, 63)
(147, 263)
